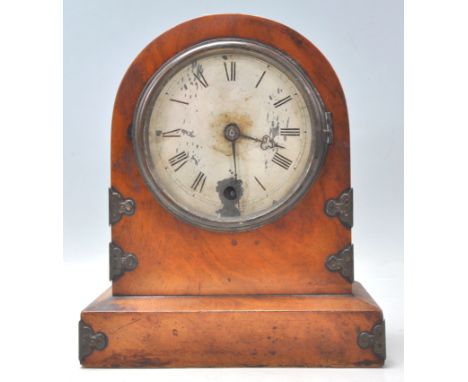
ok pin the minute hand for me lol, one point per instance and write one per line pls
(233, 143)
(265, 143)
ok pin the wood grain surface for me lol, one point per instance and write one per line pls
(193, 331)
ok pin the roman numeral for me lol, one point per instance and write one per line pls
(287, 132)
(178, 101)
(201, 78)
(231, 77)
(260, 80)
(181, 158)
(199, 181)
(260, 183)
(281, 161)
(281, 102)
(171, 134)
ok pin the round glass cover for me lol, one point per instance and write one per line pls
(229, 134)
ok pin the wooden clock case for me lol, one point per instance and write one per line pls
(279, 295)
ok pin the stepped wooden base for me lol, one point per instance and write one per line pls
(228, 331)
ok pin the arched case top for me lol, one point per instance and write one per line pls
(153, 252)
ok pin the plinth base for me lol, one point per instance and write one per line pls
(229, 331)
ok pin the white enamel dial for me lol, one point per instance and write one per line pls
(229, 137)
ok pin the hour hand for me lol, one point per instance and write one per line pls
(265, 143)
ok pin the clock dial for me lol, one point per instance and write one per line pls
(228, 136)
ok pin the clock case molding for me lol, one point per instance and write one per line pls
(279, 295)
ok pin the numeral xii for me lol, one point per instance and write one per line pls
(231, 75)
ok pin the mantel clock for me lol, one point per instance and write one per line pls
(231, 208)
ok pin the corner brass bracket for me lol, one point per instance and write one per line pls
(342, 207)
(342, 262)
(375, 339)
(89, 340)
(119, 206)
(120, 262)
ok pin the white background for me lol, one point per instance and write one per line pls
(41, 297)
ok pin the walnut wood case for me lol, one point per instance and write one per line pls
(287, 256)
(279, 295)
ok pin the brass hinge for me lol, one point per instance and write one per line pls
(89, 340)
(328, 127)
(120, 262)
(342, 207)
(342, 262)
(118, 206)
(375, 339)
